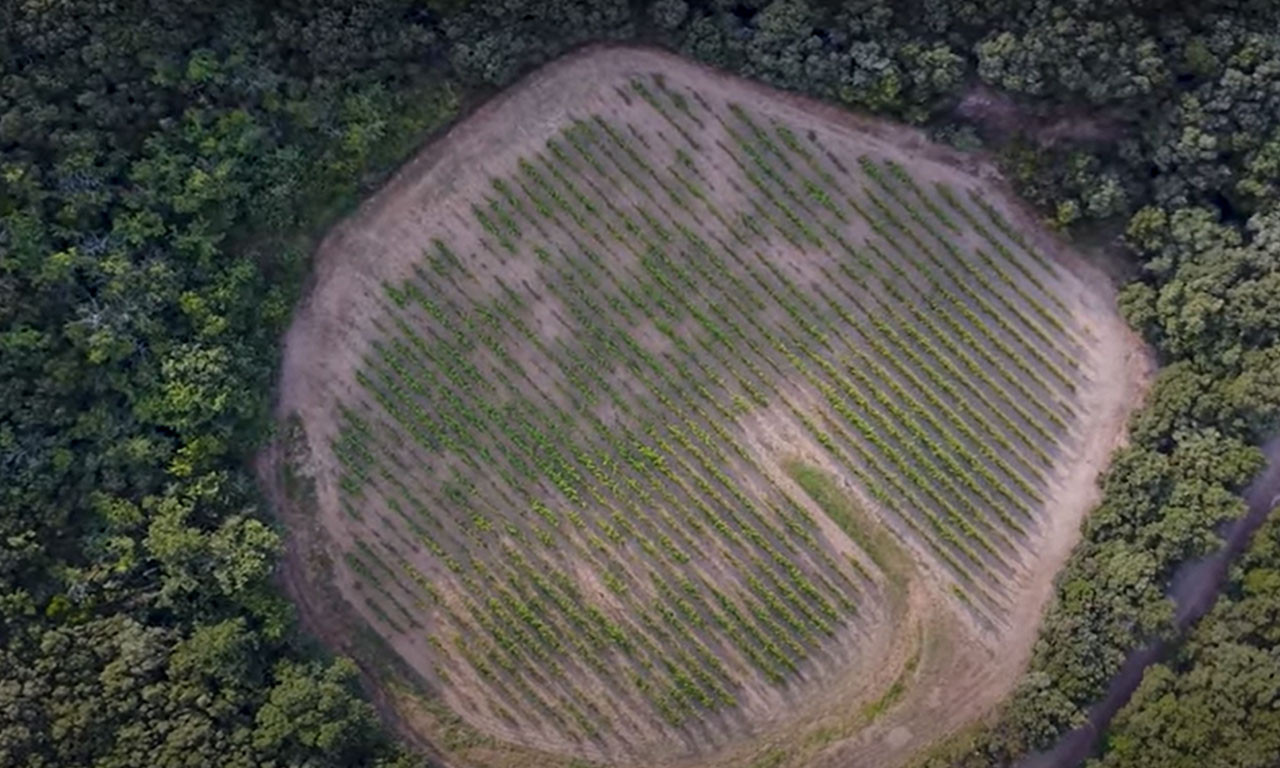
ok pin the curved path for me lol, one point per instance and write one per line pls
(1195, 588)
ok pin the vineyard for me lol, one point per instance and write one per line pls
(608, 428)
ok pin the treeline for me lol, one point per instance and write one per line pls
(164, 165)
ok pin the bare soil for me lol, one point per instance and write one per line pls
(1001, 114)
(955, 669)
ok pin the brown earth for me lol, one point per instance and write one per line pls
(1002, 114)
(953, 669)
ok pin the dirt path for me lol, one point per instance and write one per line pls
(1195, 589)
(1002, 114)
(963, 673)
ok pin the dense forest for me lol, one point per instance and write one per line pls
(166, 164)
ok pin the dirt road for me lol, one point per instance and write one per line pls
(1195, 588)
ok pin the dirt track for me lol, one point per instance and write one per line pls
(960, 677)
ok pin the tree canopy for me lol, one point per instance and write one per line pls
(164, 164)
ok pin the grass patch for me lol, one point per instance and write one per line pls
(771, 759)
(872, 537)
(890, 697)
(299, 487)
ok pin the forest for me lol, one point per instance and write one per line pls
(166, 167)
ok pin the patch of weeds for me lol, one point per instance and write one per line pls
(872, 537)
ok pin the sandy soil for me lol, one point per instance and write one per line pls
(964, 667)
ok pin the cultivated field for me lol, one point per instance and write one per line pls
(654, 417)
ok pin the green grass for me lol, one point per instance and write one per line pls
(870, 536)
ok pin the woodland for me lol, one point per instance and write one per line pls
(167, 165)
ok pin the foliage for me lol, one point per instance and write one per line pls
(853, 53)
(155, 162)
(491, 42)
(156, 159)
(1215, 702)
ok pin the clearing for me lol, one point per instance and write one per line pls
(655, 417)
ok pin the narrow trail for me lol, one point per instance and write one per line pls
(1195, 588)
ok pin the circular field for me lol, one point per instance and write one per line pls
(652, 416)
